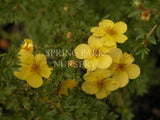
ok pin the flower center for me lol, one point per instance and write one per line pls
(145, 14)
(35, 67)
(96, 52)
(100, 83)
(110, 31)
(120, 66)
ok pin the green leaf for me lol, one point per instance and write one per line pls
(26, 103)
(92, 116)
(134, 14)
(66, 116)
(152, 40)
(68, 75)
(2, 55)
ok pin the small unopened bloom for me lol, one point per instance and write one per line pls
(72, 63)
(27, 46)
(145, 15)
(65, 8)
(69, 35)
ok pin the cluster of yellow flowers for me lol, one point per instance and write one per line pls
(33, 68)
(107, 67)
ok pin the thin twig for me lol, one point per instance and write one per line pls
(121, 100)
(146, 9)
(149, 34)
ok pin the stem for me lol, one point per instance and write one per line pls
(146, 9)
(149, 34)
(121, 99)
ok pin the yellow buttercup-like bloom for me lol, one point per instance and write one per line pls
(67, 84)
(27, 46)
(33, 68)
(94, 54)
(99, 83)
(110, 33)
(122, 66)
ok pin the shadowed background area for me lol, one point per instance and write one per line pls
(49, 24)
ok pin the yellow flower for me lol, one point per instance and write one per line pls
(33, 68)
(110, 32)
(94, 54)
(145, 15)
(27, 46)
(99, 83)
(122, 66)
(67, 84)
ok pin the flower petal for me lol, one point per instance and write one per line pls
(45, 71)
(82, 51)
(108, 41)
(121, 27)
(67, 84)
(116, 54)
(127, 59)
(104, 61)
(40, 59)
(120, 38)
(122, 77)
(133, 71)
(111, 84)
(34, 80)
(26, 57)
(23, 72)
(106, 49)
(102, 73)
(89, 88)
(90, 76)
(106, 23)
(102, 93)
(94, 42)
(113, 67)
(97, 31)
(91, 63)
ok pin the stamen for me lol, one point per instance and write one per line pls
(35, 67)
(110, 31)
(145, 14)
(96, 52)
(100, 83)
(120, 66)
